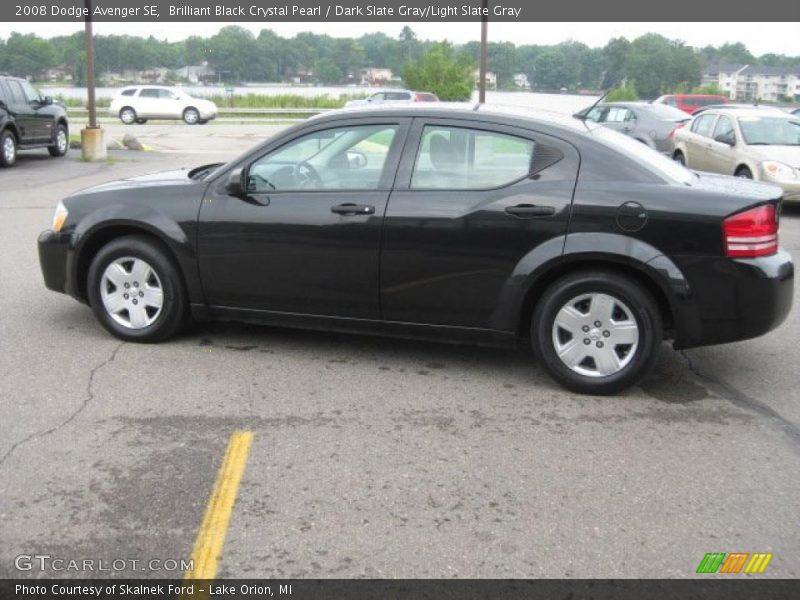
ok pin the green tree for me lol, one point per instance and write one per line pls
(552, 69)
(623, 93)
(328, 72)
(441, 72)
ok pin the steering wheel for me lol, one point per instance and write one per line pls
(306, 176)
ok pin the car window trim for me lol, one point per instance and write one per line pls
(390, 167)
(406, 170)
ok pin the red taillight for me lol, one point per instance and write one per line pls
(674, 129)
(753, 232)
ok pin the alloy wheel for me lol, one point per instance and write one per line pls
(595, 335)
(9, 149)
(131, 292)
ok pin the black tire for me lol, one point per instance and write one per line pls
(636, 299)
(127, 115)
(59, 148)
(202, 121)
(679, 157)
(744, 173)
(8, 149)
(141, 121)
(173, 311)
(191, 116)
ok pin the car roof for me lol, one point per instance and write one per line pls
(466, 111)
(746, 112)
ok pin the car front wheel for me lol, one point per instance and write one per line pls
(127, 115)
(61, 145)
(596, 332)
(679, 158)
(191, 116)
(8, 149)
(135, 290)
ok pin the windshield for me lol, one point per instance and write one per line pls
(770, 131)
(644, 155)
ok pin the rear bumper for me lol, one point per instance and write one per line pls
(731, 300)
(54, 252)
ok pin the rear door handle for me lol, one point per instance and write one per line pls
(530, 210)
(350, 210)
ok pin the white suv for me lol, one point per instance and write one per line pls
(140, 103)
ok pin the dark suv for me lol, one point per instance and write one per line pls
(29, 120)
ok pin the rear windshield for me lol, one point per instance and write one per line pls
(650, 159)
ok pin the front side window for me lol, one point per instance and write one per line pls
(724, 128)
(31, 94)
(166, 95)
(347, 158)
(149, 93)
(460, 159)
(17, 94)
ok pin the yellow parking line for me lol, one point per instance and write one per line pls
(211, 536)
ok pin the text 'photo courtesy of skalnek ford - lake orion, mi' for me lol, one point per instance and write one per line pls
(406, 300)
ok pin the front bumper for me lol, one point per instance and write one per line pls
(732, 299)
(54, 252)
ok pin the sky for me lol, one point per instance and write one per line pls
(760, 38)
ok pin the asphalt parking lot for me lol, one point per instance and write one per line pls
(370, 457)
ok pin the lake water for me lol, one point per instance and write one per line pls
(565, 103)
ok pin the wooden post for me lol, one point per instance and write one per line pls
(89, 44)
(484, 35)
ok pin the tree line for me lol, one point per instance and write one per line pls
(652, 62)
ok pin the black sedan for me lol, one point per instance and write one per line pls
(489, 226)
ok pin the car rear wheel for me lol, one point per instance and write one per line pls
(680, 158)
(127, 115)
(61, 145)
(744, 173)
(136, 291)
(8, 149)
(596, 332)
(191, 116)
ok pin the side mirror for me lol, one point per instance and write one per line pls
(356, 159)
(47, 100)
(234, 185)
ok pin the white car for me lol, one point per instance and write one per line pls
(393, 96)
(137, 104)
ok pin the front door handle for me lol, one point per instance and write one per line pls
(530, 210)
(350, 210)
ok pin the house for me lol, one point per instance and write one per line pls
(748, 83)
(375, 76)
(491, 78)
(58, 73)
(196, 73)
(521, 80)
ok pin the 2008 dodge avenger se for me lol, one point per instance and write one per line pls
(489, 226)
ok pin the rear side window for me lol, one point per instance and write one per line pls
(129, 92)
(703, 125)
(454, 158)
(619, 114)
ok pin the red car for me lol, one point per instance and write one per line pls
(689, 103)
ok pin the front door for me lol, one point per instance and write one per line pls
(306, 237)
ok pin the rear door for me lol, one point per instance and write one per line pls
(471, 200)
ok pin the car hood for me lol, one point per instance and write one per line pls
(163, 178)
(789, 155)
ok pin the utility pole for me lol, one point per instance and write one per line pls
(88, 42)
(483, 59)
(93, 138)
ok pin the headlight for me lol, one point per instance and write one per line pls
(778, 171)
(60, 216)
